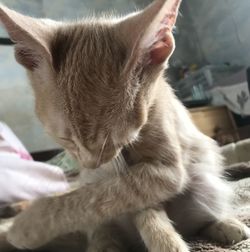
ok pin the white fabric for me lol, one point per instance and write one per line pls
(11, 144)
(236, 97)
(20, 177)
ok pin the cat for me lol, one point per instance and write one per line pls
(99, 91)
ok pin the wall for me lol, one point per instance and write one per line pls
(222, 29)
(57, 9)
(16, 100)
(188, 48)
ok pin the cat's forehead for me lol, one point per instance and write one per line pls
(88, 60)
(87, 46)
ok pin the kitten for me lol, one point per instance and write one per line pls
(99, 89)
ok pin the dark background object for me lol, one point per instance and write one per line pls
(43, 156)
(6, 41)
(243, 121)
(237, 171)
(196, 103)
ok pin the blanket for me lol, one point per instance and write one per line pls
(22, 178)
(74, 242)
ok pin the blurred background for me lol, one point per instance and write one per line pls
(209, 69)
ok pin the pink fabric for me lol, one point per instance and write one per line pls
(20, 177)
(10, 143)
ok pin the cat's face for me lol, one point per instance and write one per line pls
(94, 81)
(86, 103)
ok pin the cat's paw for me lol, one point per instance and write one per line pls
(171, 243)
(229, 231)
(4, 227)
(31, 229)
(176, 246)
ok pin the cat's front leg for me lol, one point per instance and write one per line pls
(158, 232)
(142, 186)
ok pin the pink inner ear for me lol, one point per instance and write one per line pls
(163, 46)
(170, 18)
(161, 49)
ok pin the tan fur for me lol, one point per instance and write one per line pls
(99, 88)
(158, 232)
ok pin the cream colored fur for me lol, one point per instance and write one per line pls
(99, 89)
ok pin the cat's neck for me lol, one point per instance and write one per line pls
(159, 132)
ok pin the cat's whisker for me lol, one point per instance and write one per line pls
(101, 152)
(131, 145)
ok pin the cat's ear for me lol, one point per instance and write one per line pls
(149, 32)
(30, 36)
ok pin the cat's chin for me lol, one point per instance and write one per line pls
(93, 165)
(90, 166)
(104, 164)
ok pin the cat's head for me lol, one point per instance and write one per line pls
(94, 80)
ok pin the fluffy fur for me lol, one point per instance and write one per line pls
(100, 90)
